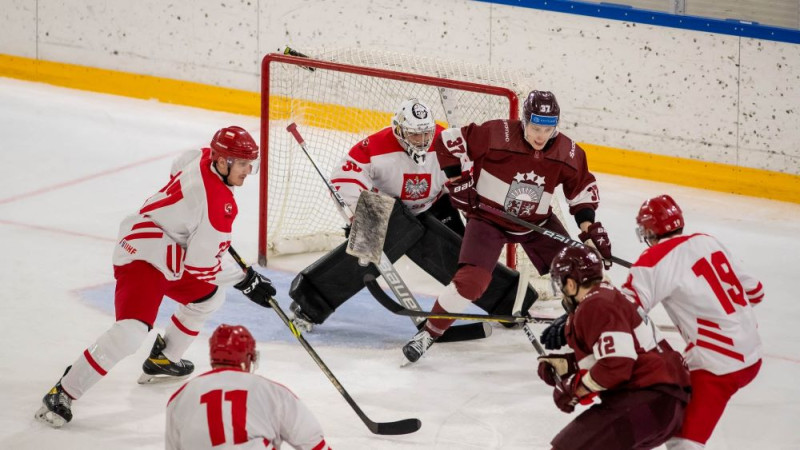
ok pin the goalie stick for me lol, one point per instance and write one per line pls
(404, 426)
(385, 266)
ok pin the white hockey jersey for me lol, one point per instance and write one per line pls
(228, 408)
(185, 226)
(380, 164)
(707, 295)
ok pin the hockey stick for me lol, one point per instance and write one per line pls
(385, 266)
(542, 230)
(383, 298)
(404, 426)
(391, 305)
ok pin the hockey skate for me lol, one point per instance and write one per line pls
(300, 320)
(157, 368)
(56, 407)
(417, 347)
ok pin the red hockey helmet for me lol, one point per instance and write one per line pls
(541, 108)
(232, 345)
(233, 142)
(581, 263)
(657, 217)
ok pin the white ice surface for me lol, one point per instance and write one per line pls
(74, 163)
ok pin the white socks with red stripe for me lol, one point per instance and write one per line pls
(187, 322)
(119, 341)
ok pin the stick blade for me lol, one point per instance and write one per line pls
(405, 426)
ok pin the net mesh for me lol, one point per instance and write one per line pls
(334, 110)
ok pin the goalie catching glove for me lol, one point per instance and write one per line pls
(256, 287)
(596, 237)
(463, 195)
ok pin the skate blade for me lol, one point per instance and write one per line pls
(158, 379)
(407, 362)
(48, 417)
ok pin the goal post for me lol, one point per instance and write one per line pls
(338, 104)
(339, 97)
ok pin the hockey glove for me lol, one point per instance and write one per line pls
(463, 195)
(563, 364)
(564, 393)
(256, 287)
(596, 236)
(554, 337)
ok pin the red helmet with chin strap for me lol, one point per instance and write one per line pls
(233, 142)
(232, 345)
(657, 217)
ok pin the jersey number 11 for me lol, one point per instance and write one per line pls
(216, 430)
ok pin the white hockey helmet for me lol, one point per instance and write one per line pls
(413, 126)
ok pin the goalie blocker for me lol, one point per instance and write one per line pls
(330, 281)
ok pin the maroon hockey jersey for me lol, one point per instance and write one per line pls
(617, 347)
(512, 176)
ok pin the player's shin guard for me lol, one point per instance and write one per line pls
(449, 301)
(186, 324)
(121, 340)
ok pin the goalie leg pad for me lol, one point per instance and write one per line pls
(330, 281)
(119, 341)
(500, 295)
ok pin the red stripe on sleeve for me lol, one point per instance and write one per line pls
(322, 445)
(755, 289)
(349, 180)
(152, 235)
(93, 363)
(144, 225)
(707, 323)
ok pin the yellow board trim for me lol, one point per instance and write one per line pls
(629, 163)
(689, 172)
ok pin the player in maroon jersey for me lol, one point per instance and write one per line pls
(709, 296)
(175, 246)
(643, 384)
(397, 161)
(517, 166)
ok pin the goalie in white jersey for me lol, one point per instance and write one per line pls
(231, 407)
(397, 161)
(175, 246)
(709, 297)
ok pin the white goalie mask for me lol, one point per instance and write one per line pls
(413, 126)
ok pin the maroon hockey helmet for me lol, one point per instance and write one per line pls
(581, 263)
(657, 217)
(233, 142)
(541, 108)
(232, 345)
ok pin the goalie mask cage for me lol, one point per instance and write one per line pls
(337, 99)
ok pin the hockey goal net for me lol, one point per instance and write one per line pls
(337, 98)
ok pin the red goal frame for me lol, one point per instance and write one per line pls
(278, 58)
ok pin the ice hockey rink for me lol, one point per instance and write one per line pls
(75, 163)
